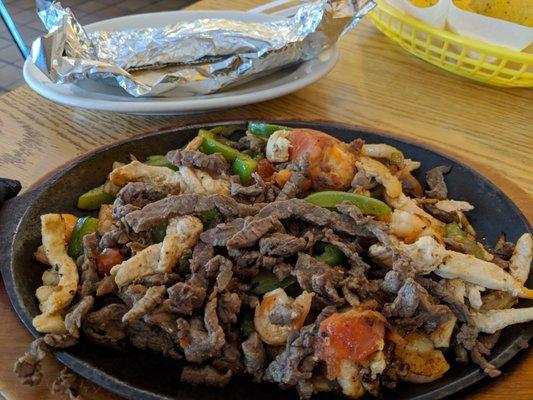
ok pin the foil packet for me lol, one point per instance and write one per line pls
(192, 57)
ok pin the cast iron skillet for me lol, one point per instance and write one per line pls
(138, 374)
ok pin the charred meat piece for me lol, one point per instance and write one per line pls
(214, 163)
(436, 184)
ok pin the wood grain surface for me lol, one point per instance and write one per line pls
(374, 85)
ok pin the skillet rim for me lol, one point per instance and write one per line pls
(123, 388)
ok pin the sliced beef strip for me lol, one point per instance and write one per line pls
(205, 375)
(152, 298)
(188, 296)
(413, 307)
(201, 254)
(246, 262)
(282, 270)
(160, 279)
(164, 318)
(350, 249)
(231, 358)
(214, 163)
(478, 356)
(88, 276)
(221, 269)
(444, 216)
(161, 211)
(294, 365)
(436, 184)
(253, 230)
(296, 184)
(259, 191)
(503, 248)
(132, 293)
(67, 385)
(229, 305)
(106, 285)
(199, 343)
(73, 321)
(356, 285)
(393, 282)
(318, 277)
(135, 195)
(150, 337)
(252, 143)
(105, 325)
(281, 245)
(220, 234)
(254, 356)
(443, 294)
(121, 235)
(28, 366)
(315, 215)
(354, 213)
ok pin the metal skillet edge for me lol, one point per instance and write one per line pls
(15, 210)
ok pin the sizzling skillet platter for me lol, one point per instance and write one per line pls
(143, 374)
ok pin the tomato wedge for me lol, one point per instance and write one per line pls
(353, 335)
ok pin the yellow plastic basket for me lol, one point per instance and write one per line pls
(463, 56)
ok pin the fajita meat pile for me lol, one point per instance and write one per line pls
(282, 254)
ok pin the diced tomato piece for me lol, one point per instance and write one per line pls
(353, 335)
(265, 169)
(107, 259)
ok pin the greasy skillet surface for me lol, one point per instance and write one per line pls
(142, 375)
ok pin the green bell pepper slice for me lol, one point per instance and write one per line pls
(367, 205)
(264, 130)
(454, 231)
(331, 255)
(94, 198)
(158, 233)
(266, 281)
(84, 226)
(159, 160)
(211, 145)
(244, 167)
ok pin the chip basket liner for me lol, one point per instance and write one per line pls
(463, 56)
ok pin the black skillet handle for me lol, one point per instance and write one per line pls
(11, 210)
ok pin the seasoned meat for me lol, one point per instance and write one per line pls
(201, 254)
(189, 295)
(231, 358)
(315, 276)
(172, 206)
(258, 192)
(436, 184)
(281, 244)
(150, 337)
(220, 268)
(214, 163)
(87, 271)
(160, 279)
(199, 343)
(254, 356)
(220, 234)
(229, 305)
(444, 216)
(350, 249)
(205, 375)
(152, 298)
(307, 212)
(294, 366)
(413, 307)
(73, 321)
(253, 230)
(132, 293)
(28, 366)
(479, 358)
(106, 285)
(252, 143)
(135, 195)
(67, 385)
(105, 325)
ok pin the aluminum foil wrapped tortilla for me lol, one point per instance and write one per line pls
(198, 57)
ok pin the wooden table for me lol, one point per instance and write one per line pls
(375, 85)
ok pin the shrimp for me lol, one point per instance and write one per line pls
(423, 363)
(406, 226)
(275, 334)
(331, 161)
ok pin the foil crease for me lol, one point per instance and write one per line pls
(194, 57)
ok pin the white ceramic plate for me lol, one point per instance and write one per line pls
(98, 96)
